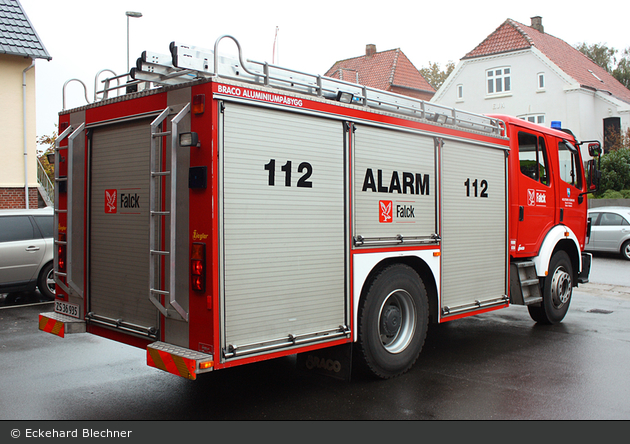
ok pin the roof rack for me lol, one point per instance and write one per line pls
(187, 63)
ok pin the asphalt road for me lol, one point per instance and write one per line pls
(495, 366)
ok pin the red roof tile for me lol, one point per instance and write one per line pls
(382, 70)
(514, 36)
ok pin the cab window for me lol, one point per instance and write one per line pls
(533, 157)
(570, 169)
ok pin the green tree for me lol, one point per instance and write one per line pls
(436, 76)
(600, 54)
(606, 57)
(615, 166)
(622, 71)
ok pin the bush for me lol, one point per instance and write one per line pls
(615, 168)
(611, 194)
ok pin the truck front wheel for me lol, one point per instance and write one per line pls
(393, 320)
(557, 291)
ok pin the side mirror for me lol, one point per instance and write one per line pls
(594, 149)
(593, 175)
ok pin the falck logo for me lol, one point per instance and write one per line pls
(385, 213)
(110, 201)
(531, 197)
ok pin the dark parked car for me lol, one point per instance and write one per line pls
(610, 230)
(26, 251)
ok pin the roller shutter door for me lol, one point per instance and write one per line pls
(119, 224)
(474, 224)
(283, 254)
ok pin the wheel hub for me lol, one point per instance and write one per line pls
(390, 321)
(560, 287)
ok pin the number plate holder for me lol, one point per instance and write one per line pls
(66, 308)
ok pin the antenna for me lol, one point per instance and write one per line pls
(275, 39)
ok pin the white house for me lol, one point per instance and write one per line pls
(521, 71)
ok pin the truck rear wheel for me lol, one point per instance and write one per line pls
(393, 319)
(557, 291)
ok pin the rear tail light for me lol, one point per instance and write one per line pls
(61, 254)
(198, 266)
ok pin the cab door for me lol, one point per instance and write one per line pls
(571, 206)
(536, 195)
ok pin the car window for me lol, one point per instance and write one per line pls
(46, 225)
(15, 228)
(594, 218)
(609, 219)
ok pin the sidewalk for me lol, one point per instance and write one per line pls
(609, 290)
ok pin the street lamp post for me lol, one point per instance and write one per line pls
(134, 15)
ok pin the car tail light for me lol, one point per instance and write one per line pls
(198, 266)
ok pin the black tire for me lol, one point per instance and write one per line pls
(393, 320)
(46, 281)
(625, 250)
(557, 291)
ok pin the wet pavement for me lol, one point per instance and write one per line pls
(495, 366)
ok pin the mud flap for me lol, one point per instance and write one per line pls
(335, 362)
(585, 273)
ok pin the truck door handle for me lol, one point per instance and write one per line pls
(32, 248)
(521, 213)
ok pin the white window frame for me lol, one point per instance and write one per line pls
(541, 79)
(534, 118)
(497, 78)
(460, 92)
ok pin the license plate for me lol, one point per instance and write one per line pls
(66, 308)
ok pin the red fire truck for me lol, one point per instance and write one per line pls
(219, 212)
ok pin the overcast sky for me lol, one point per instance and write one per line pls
(85, 36)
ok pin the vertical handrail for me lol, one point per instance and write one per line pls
(106, 88)
(240, 57)
(63, 92)
(173, 246)
(69, 215)
(58, 180)
(153, 197)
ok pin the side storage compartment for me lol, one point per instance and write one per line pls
(473, 227)
(282, 236)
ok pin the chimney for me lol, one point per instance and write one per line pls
(537, 24)
(370, 50)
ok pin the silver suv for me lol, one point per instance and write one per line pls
(27, 251)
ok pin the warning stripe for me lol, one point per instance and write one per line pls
(51, 326)
(170, 363)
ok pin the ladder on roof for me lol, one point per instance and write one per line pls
(186, 63)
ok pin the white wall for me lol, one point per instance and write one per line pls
(578, 109)
(11, 122)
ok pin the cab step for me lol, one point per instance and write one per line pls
(524, 284)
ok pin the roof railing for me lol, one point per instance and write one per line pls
(187, 63)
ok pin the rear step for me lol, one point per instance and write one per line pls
(524, 284)
(177, 360)
(59, 324)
